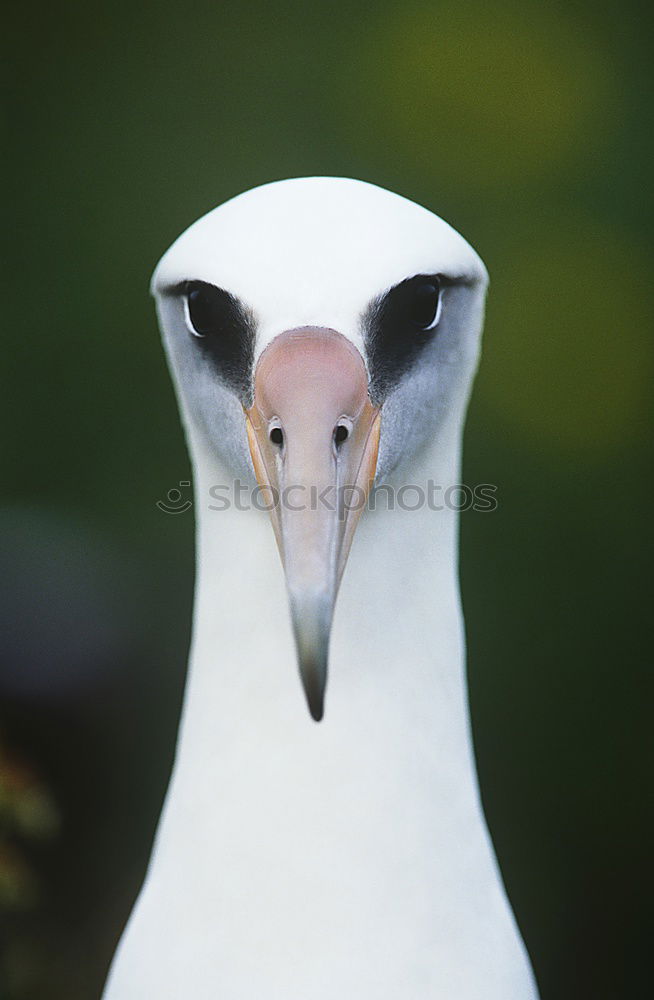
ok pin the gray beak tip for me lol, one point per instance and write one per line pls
(313, 671)
(316, 709)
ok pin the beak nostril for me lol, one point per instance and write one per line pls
(277, 436)
(341, 434)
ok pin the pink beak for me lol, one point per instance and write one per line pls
(314, 436)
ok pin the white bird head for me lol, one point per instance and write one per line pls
(320, 331)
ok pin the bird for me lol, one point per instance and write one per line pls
(322, 835)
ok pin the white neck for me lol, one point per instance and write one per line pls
(347, 859)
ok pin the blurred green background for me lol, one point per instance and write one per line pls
(527, 126)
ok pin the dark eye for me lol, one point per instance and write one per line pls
(424, 310)
(208, 307)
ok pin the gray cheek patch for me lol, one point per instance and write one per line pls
(207, 400)
(226, 333)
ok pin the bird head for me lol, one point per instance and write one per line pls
(320, 331)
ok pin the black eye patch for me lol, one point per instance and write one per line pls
(397, 327)
(224, 331)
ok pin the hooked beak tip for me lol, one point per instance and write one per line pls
(312, 621)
